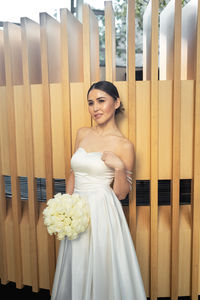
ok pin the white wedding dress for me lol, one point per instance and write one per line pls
(101, 264)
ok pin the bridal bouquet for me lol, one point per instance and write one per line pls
(66, 215)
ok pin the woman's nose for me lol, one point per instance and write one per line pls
(96, 106)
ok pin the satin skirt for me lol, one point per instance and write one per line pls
(101, 264)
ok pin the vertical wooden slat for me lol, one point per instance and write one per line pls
(196, 174)
(3, 259)
(2, 62)
(12, 38)
(90, 55)
(154, 153)
(44, 18)
(31, 59)
(188, 45)
(86, 60)
(110, 42)
(176, 152)
(94, 47)
(147, 24)
(132, 109)
(64, 14)
(167, 42)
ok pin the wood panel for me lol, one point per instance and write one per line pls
(31, 74)
(175, 190)
(86, 62)
(13, 69)
(186, 130)
(57, 130)
(188, 45)
(4, 133)
(110, 48)
(195, 266)
(164, 246)
(77, 108)
(2, 62)
(142, 130)
(38, 130)
(48, 24)
(71, 46)
(147, 42)
(166, 60)
(131, 96)
(184, 255)
(3, 250)
(122, 120)
(165, 129)
(20, 129)
(154, 153)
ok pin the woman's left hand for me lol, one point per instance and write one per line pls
(112, 160)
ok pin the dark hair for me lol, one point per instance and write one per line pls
(109, 88)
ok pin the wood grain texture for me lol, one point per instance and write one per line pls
(195, 266)
(132, 110)
(30, 36)
(46, 23)
(175, 190)
(154, 153)
(110, 47)
(12, 39)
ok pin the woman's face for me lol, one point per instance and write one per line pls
(101, 105)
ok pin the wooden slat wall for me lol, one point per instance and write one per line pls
(13, 70)
(3, 261)
(50, 43)
(44, 78)
(110, 47)
(131, 109)
(175, 185)
(195, 265)
(31, 73)
(188, 47)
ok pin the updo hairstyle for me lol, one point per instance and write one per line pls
(109, 88)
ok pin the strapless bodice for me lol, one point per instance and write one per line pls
(90, 171)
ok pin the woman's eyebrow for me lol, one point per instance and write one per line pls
(101, 98)
(97, 98)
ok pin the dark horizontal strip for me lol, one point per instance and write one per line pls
(142, 190)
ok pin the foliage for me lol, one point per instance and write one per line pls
(120, 11)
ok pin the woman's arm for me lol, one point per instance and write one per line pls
(121, 186)
(122, 181)
(123, 166)
(70, 184)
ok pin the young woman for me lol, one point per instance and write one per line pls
(101, 264)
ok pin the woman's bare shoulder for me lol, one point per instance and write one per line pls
(125, 144)
(83, 130)
(80, 134)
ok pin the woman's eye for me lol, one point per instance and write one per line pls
(101, 100)
(90, 103)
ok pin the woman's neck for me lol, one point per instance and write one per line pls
(106, 129)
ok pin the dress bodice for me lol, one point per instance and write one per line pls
(90, 171)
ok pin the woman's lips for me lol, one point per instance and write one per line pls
(97, 116)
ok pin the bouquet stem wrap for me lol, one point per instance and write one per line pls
(66, 215)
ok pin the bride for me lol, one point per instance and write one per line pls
(101, 264)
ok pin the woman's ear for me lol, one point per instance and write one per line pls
(117, 103)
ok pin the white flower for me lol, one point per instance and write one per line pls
(66, 215)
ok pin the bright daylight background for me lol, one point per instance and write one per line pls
(12, 10)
